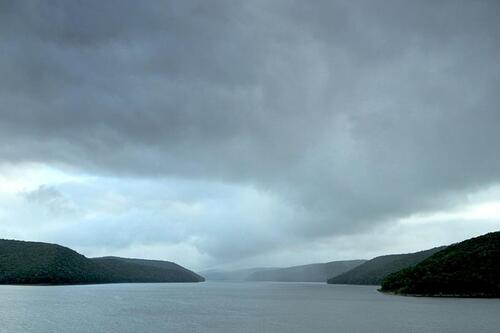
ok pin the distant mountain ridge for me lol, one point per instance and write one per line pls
(469, 268)
(318, 272)
(375, 270)
(24, 262)
(231, 275)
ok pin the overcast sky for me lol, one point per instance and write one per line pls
(240, 133)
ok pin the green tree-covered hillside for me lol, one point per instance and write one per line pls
(375, 270)
(469, 268)
(43, 263)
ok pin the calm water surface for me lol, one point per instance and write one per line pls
(236, 307)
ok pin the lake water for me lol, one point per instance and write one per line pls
(236, 307)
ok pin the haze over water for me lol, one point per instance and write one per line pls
(236, 307)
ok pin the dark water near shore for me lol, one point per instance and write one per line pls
(236, 307)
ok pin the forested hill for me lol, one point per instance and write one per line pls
(469, 268)
(305, 273)
(142, 270)
(375, 270)
(43, 263)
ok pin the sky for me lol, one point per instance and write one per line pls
(230, 134)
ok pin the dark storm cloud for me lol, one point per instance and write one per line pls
(352, 111)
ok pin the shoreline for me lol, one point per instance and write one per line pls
(393, 293)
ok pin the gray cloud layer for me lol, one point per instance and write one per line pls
(353, 112)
